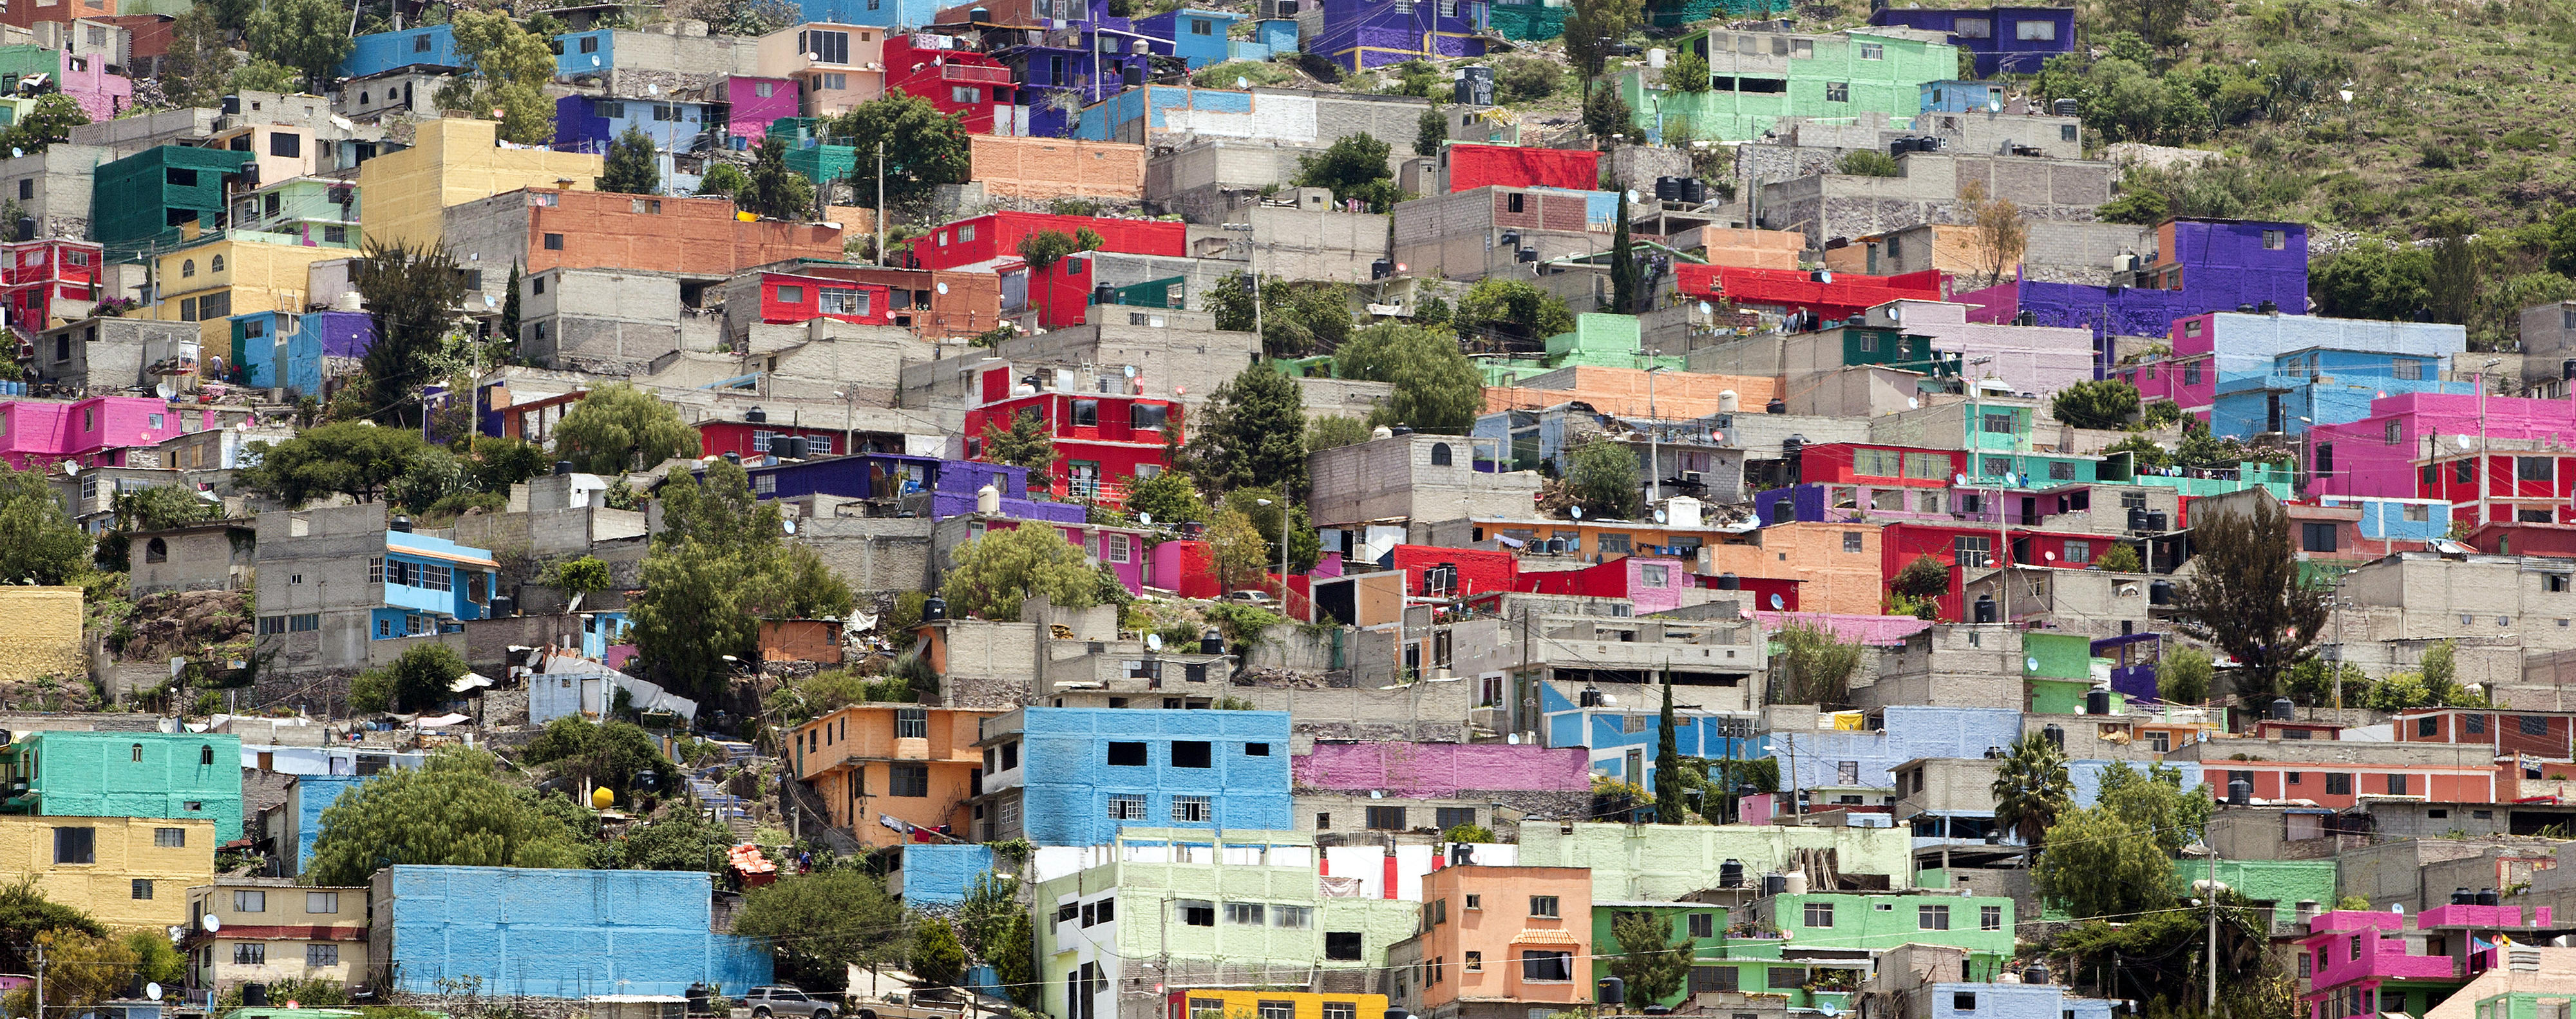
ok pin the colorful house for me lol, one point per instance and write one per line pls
(2004, 40)
(1361, 34)
(1465, 167)
(2430, 445)
(44, 283)
(1058, 48)
(2198, 266)
(1815, 297)
(976, 89)
(129, 873)
(591, 124)
(1060, 293)
(1106, 437)
(93, 432)
(141, 202)
(279, 348)
(430, 584)
(1498, 941)
(2368, 964)
(555, 933)
(1752, 88)
(1198, 34)
(950, 486)
(789, 298)
(751, 104)
(378, 52)
(2243, 374)
(1076, 776)
(454, 160)
(234, 273)
(870, 762)
(310, 211)
(185, 776)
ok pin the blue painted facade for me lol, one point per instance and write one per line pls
(2087, 776)
(590, 123)
(2324, 386)
(1361, 34)
(2013, 1001)
(1066, 796)
(952, 484)
(558, 933)
(2210, 265)
(378, 52)
(598, 631)
(591, 52)
(1198, 34)
(279, 348)
(1279, 34)
(1959, 96)
(1090, 56)
(1603, 731)
(2004, 40)
(306, 798)
(1815, 757)
(941, 874)
(882, 13)
(430, 584)
(2385, 519)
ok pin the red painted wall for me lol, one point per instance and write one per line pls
(1113, 444)
(1603, 580)
(1479, 571)
(999, 234)
(1831, 463)
(716, 438)
(1187, 568)
(1792, 289)
(776, 308)
(1476, 166)
(935, 75)
(1902, 543)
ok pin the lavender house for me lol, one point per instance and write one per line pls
(947, 487)
(2198, 266)
(1361, 34)
(2015, 40)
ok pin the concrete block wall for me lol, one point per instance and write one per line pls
(555, 933)
(1041, 168)
(1066, 791)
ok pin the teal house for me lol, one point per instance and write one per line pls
(193, 776)
(1757, 78)
(1756, 947)
(1702, 924)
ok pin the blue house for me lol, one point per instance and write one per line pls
(1198, 35)
(882, 13)
(1846, 760)
(430, 585)
(1075, 776)
(598, 631)
(284, 348)
(1959, 96)
(378, 52)
(2322, 386)
(2004, 40)
(1624, 751)
(2393, 519)
(557, 933)
(941, 874)
(1361, 34)
(950, 485)
(301, 818)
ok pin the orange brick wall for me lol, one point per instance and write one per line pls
(1753, 249)
(1623, 391)
(1835, 580)
(691, 236)
(972, 305)
(1058, 168)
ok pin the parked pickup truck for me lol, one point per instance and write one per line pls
(898, 1005)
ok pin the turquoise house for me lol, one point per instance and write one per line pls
(188, 776)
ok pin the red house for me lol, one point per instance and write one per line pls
(1825, 295)
(1476, 571)
(1061, 294)
(1106, 434)
(1973, 546)
(1846, 463)
(789, 298)
(753, 440)
(34, 274)
(1468, 167)
(974, 88)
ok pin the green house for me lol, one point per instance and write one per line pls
(1767, 949)
(141, 203)
(1757, 78)
(808, 154)
(1700, 923)
(194, 776)
(27, 60)
(1599, 340)
(2525, 1005)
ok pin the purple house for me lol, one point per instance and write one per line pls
(951, 485)
(1361, 34)
(2009, 40)
(2198, 266)
(751, 103)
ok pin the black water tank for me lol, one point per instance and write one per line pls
(2269, 307)
(1694, 190)
(2463, 897)
(1613, 991)
(2567, 368)
(1776, 406)
(732, 457)
(2160, 592)
(402, 524)
(563, 466)
(795, 447)
(1135, 75)
(232, 108)
(2240, 792)
(1775, 884)
(2097, 701)
(1900, 146)
(2489, 897)
(2035, 973)
(1104, 294)
(1793, 445)
(2070, 108)
(756, 415)
(2055, 736)
(1729, 582)
(504, 606)
(2280, 709)
(1668, 189)
(979, 15)
(1985, 608)
(2156, 521)
(1212, 642)
(26, 229)
(935, 608)
(2137, 518)
(1730, 874)
(1381, 268)
(253, 995)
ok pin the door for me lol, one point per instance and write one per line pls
(2029, 509)
(1086, 480)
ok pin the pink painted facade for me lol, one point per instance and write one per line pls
(1651, 583)
(755, 102)
(1881, 630)
(1186, 568)
(1437, 770)
(102, 95)
(2410, 447)
(2356, 955)
(94, 432)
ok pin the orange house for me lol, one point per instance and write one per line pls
(913, 763)
(1839, 563)
(1495, 941)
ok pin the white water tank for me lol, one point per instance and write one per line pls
(988, 499)
(1797, 883)
(1655, 58)
(1682, 511)
(1726, 401)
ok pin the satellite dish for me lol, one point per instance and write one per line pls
(1578, 512)
(1775, 601)
(1153, 642)
(1827, 1008)
(1959, 479)
(165, 391)
(943, 288)
(152, 991)
(212, 923)
(652, 90)
(1242, 82)
(1659, 516)
(2464, 442)
(1146, 519)
(1704, 309)
(2031, 663)
(2050, 556)
(70, 468)
(789, 524)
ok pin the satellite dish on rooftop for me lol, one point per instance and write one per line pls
(212, 923)
(1577, 511)
(1913, 403)
(2464, 441)
(1827, 1008)
(1146, 519)
(1153, 642)
(1659, 516)
(1775, 601)
(152, 991)
(165, 391)
(70, 468)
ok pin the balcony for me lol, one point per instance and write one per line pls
(975, 75)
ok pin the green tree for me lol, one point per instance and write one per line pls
(2458, 268)
(824, 922)
(716, 569)
(678, 840)
(82, 970)
(2183, 677)
(25, 912)
(1668, 762)
(1513, 309)
(607, 754)
(1591, 21)
(420, 677)
(1044, 248)
(412, 296)
(1236, 546)
(450, 811)
(200, 60)
(582, 576)
(2245, 598)
(1623, 263)
(1521, 79)
(2101, 866)
(2375, 281)
(1013, 954)
(1354, 167)
(937, 959)
(2121, 558)
(1251, 434)
(266, 76)
(1429, 131)
(2032, 790)
(2104, 404)
(1025, 444)
(631, 167)
(311, 36)
(773, 190)
(151, 509)
(2320, 683)
(1816, 664)
(1688, 73)
(1303, 546)
(1169, 498)
(1334, 432)
(509, 327)
(924, 148)
(990, 576)
(1651, 961)
(512, 67)
(1436, 388)
(617, 427)
(1605, 477)
(51, 120)
(2155, 802)
(1868, 163)
(1605, 114)
(155, 959)
(354, 458)
(723, 179)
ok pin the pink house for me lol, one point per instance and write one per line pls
(1440, 770)
(102, 95)
(2366, 963)
(756, 102)
(95, 432)
(1651, 583)
(2429, 446)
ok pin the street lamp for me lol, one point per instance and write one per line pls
(2482, 437)
(1654, 448)
(1283, 544)
(849, 419)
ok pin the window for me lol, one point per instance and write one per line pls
(1191, 754)
(1820, 914)
(841, 301)
(1990, 918)
(1838, 91)
(2039, 31)
(1873, 51)
(1342, 946)
(1243, 914)
(1963, 1001)
(2477, 724)
(1512, 203)
(912, 723)
(1195, 913)
(1877, 463)
(911, 780)
(2397, 783)
(75, 845)
(1440, 456)
(825, 47)
(187, 268)
(250, 901)
(1973, 28)
(142, 889)
(2338, 783)
(1932, 918)
(1540, 966)
(2191, 374)
(170, 838)
(791, 295)
(1972, 550)
(1999, 424)
(2407, 368)
(1386, 818)
(2059, 470)
(284, 144)
(1129, 755)
(321, 955)
(2315, 537)
(1086, 413)
(250, 955)
(2463, 472)
(1147, 415)
(2325, 458)
(1126, 807)
(420, 43)
(1192, 808)
(1542, 905)
(1786, 978)
(1712, 979)
(1118, 553)
(2273, 240)
(1847, 773)
(322, 903)
(1295, 918)
(2534, 725)
(2535, 468)
(1445, 818)
(554, 242)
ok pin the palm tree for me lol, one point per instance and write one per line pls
(2031, 788)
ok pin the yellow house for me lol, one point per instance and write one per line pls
(126, 871)
(1219, 1003)
(273, 930)
(43, 636)
(453, 161)
(240, 272)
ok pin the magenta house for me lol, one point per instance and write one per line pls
(1442, 770)
(93, 432)
(2433, 446)
(754, 102)
(2365, 963)
(2197, 266)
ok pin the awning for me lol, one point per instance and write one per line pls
(469, 681)
(441, 721)
(1538, 936)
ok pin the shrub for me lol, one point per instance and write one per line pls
(1870, 163)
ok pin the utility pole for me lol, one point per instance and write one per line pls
(881, 209)
(2209, 894)
(40, 979)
